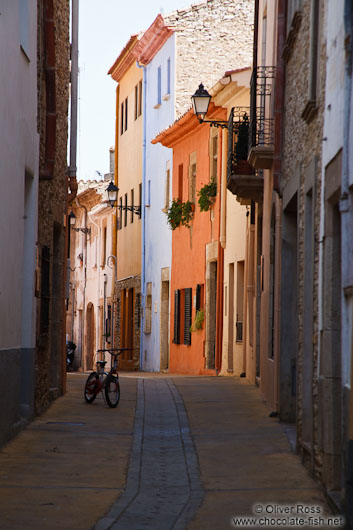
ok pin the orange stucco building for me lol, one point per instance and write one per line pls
(196, 272)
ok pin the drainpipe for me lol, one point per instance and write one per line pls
(143, 238)
(279, 94)
(223, 234)
(98, 249)
(220, 272)
(347, 279)
(85, 277)
(72, 169)
(277, 300)
(104, 310)
(115, 224)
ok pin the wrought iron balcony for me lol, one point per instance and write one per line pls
(261, 138)
(242, 179)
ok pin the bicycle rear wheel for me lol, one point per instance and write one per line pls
(112, 390)
(91, 387)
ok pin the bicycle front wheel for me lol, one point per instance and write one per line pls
(112, 390)
(91, 387)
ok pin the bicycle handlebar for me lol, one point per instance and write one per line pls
(113, 350)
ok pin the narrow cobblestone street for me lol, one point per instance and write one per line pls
(177, 453)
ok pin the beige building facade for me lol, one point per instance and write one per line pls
(89, 317)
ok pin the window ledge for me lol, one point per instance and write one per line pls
(309, 111)
(292, 35)
(157, 106)
(166, 97)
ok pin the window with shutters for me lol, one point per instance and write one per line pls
(176, 337)
(187, 315)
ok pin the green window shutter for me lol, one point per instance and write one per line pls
(187, 316)
(176, 338)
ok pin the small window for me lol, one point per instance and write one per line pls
(148, 308)
(125, 210)
(126, 113)
(104, 247)
(122, 118)
(159, 86)
(180, 182)
(120, 222)
(132, 206)
(148, 193)
(140, 99)
(140, 199)
(136, 101)
(167, 189)
(176, 337)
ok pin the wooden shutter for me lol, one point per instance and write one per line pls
(187, 316)
(176, 338)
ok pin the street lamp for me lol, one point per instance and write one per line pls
(112, 192)
(72, 220)
(200, 102)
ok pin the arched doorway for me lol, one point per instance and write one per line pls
(90, 337)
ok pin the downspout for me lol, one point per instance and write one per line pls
(85, 280)
(223, 233)
(115, 214)
(346, 243)
(143, 251)
(47, 171)
(220, 272)
(72, 169)
(277, 300)
(279, 95)
(98, 249)
(277, 159)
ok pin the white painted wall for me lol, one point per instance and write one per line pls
(19, 153)
(158, 237)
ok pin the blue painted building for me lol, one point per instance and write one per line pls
(156, 185)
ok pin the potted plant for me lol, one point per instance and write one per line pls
(187, 213)
(199, 318)
(180, 213)
(174, 214)
(207, 195)
(242, 166)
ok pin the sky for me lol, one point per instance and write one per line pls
(105, 26)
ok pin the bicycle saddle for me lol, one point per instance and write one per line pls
(102, 363)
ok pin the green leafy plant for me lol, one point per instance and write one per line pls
(174, 214)
(180, 213)
(207, 195)
(199, 318)
(188, 213)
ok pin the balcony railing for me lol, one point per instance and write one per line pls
(242, 179)
(261, 137)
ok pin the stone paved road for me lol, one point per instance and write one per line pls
(163, 488)
(178, 453)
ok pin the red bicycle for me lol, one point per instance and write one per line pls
(99, 380)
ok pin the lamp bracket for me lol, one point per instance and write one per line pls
(133, 209)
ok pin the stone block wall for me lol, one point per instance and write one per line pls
(212, 37)
(53, 68)
(302, 148)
